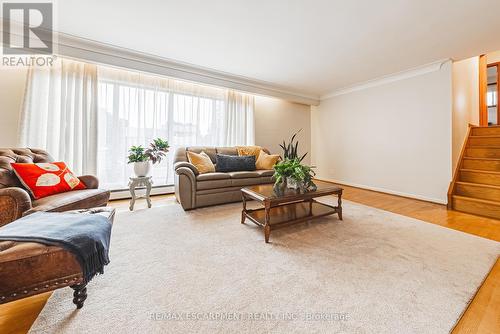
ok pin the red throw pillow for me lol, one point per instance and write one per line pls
(45, 179)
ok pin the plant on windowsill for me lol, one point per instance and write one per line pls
(143, 158)
(290, 171)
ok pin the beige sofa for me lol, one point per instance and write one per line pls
(194, 190)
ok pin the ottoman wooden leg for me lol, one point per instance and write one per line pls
(79, 295)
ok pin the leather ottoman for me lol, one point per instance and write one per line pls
(29, 268)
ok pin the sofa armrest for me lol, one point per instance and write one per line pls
(184, 164)
(90, 181)
(187, 172)
(14, 201)
(185, 187)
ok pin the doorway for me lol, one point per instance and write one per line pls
(492, 93)
(489, 91)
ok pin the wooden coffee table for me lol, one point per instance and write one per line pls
(288, 206)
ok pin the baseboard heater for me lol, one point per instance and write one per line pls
(156, 190)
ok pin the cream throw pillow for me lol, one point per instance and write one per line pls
(266, 161)
(201, 161)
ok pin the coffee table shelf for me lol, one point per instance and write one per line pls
(290, 213)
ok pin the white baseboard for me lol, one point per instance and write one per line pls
(124, 194)
(383, 190)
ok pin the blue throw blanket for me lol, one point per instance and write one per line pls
(83, 234)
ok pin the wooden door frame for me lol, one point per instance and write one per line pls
(483, 89)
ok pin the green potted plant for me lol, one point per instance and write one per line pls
(290, 171)
(143, 158)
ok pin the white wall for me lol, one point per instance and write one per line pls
(493, 57)
(465, 102)
(12, 84)
(395, 137)
(277, 120)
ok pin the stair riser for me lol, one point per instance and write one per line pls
(482, 209)
(478, 177)
(490, 194)
(481, 165)
(483, 152)
(486, 131)
(484, 141)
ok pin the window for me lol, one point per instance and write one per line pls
(90, 115)
(491, 97)
(137, 110)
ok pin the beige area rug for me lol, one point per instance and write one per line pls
(203, 272)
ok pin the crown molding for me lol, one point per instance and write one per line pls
(406, 74)
(107, 54)
(80, 48)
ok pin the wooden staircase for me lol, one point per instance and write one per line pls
(475, 187)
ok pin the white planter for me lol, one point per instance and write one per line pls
(142, 168)
(292, 183)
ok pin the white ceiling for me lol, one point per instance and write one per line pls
(312, 47)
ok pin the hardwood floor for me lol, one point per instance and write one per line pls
(18, 316)
(482, 315)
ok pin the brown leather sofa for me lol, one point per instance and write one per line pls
(15, 201)
(194, 190)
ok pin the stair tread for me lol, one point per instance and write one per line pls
(484, 136)
(477, 200)
(475, 158)
(484, 146)
(479, 171)
(478, 185)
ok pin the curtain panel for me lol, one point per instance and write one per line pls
(59, 113)
(90, 116)
(239, 119)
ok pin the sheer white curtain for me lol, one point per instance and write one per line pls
(239, 119)
(135, 108)
(60, 113)
(65, 104)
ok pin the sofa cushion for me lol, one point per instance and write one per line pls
(243, 175)
(212, 181)
(73, 200)
(252, 181)
(213, 184)
(231, 163)
(212, 176)
(266, 179)
(218, 191)
(265, 172)
(227, 150)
